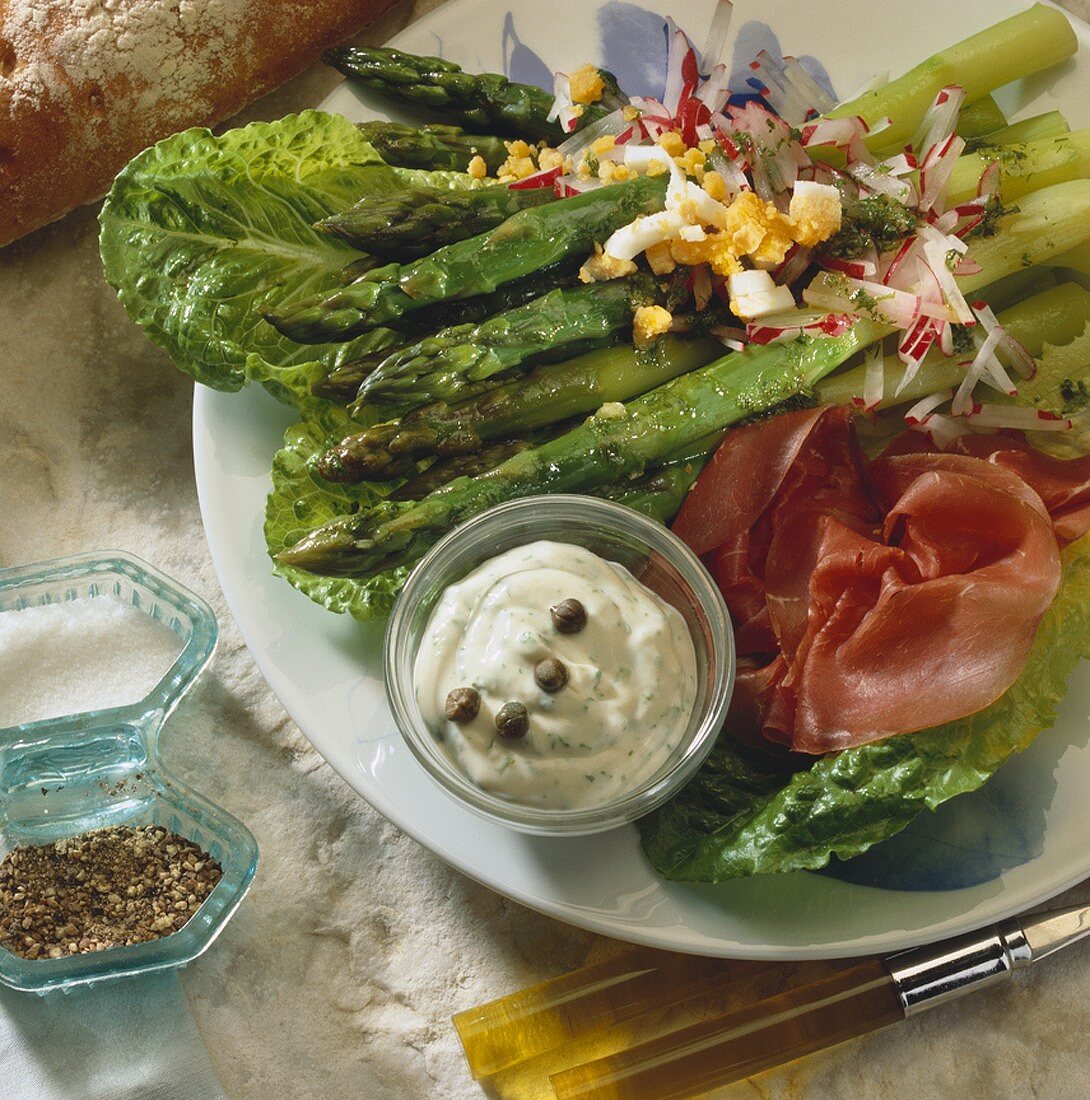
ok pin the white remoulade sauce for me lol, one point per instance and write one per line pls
(631, 677)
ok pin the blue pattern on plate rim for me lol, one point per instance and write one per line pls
(971, 839)
(633, 45)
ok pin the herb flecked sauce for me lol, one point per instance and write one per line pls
(630, 693)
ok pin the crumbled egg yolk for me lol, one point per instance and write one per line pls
(519, 163)
(586, 85)
(692, 162)
(477, 168)
(660, 258)
(673, 143)
(600, 268)
(649, 322)
(715, 185)
(757, 229)
(815, 212)
(752, 228)
(549, 158)
(609, 172)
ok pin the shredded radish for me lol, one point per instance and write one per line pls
(899, 262)
(935, 251)
(897, 307)
(714, 92)
(733, 338)
(1021, 417)
(941, 118)
(935, 171)
(654, 119)
(682, 70)
(963, 399)
(923, 408)
(612, 125)
(856, 269)
(789, 89)
(1023, 362)
(563, 109)
(875, 179)
(913, 347)
(941, 430)
(717, 33)
(794, 264)
(544, 178)
(702, 286)
(874, 379)
(566, 186)
(788, 325)
(838, 132)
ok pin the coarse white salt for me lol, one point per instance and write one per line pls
(84, 654)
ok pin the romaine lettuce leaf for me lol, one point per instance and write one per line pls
(747, 812)
(201, 233)
(300, 501)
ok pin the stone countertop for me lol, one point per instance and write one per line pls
(338, 975)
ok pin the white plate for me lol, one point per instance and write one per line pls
(1029, 824)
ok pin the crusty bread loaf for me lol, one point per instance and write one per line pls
(86, 84)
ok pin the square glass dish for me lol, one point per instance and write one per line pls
(95, 769)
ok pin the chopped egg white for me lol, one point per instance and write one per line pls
(753, 294)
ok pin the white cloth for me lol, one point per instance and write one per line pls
(133, 1039)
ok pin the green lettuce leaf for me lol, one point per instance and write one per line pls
(1062, 386)
(748, 812)
(300, 500)
(202, 233)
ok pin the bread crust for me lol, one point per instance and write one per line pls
(86, 84)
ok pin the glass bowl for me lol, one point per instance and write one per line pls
(658, 559)
(92, 770)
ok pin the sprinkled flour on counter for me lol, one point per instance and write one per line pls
(86, 654)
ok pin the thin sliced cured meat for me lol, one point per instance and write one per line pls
(877, 598)
(811, 470)
(937, 626)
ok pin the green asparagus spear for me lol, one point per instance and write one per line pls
(660, 493)
(614, 444)
(487, 100)
(1051, 124)
(419, 219)
(1025, 43)
(448, 148)
(546, 395)
(984, 116)
(558, 324)
(1025, 167)
(618, 442)
(342, 383)
(445, 470)
(456, 311)
(515, 249)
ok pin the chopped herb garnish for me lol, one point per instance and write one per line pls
(1075, 395)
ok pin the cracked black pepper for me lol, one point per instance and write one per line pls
(106, 888)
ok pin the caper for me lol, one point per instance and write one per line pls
(569, 616)
(512, 721)
(462, 705)
(550, 674)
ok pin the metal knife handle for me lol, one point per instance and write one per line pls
(930, 976)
